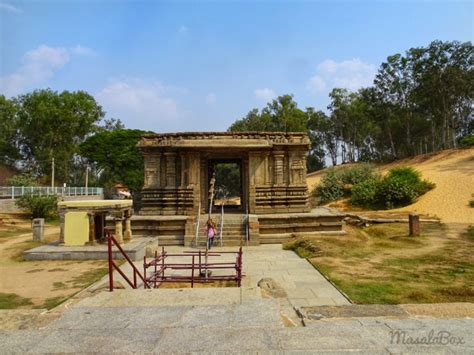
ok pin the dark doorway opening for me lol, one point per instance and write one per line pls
(228, 184)
(99, 225)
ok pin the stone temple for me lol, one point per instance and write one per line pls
(272, 194)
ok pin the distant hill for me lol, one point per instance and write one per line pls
(453, 173)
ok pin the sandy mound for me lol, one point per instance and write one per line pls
(453, 173)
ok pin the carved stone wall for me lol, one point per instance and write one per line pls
(273, 164)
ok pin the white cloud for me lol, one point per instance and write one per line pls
(265, 94)
(211, 99)
(10, 8)
(38, 66)
(140, 104)
(350, 74)
(83, 51)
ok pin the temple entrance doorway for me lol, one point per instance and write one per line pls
(228, 188)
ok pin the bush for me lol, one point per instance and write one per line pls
(337, 184)
(394, 191)
(365, 192)
(467, 141)
(38, 206)
(331, 187)
(360, 173)
(471, 203)
(411, 177)
(401, 186)
(24, 179)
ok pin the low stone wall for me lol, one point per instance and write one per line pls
(8, 205)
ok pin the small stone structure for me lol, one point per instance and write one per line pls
(273, 190)
(83, 222)
(178, 168)
(38, 229)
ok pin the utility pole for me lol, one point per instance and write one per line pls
(52, 173)
(87, 178)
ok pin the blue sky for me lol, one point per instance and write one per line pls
(200, 65)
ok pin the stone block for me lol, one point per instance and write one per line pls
(38, 229)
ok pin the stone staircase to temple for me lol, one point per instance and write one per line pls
(233, 233)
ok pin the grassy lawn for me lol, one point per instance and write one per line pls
(381, 264)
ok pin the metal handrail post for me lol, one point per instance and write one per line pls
(111, 270)
(197, 226)
(222, 222)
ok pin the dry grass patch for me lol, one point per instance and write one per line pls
(381, 264)
(40, 284)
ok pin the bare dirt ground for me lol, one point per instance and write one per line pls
(42, 283)
(453, 173)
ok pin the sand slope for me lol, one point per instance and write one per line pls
(453, 173)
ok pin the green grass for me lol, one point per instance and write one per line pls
(381, 264)
(12, 301)
(13, 232)
(52, 302)
(89, 277)
(59, 285)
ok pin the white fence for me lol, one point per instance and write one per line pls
(13, 192)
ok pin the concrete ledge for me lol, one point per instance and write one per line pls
(134, 249)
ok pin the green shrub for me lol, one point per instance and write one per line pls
(338, 183)
(400, 187)
(365, 192)
(38, 206)
(24, 179)
(358, 174)
(467, 141)
(471, 203)
(394, 191)
(331, 187)
(411, 177)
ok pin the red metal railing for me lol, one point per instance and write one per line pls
(111, 241)
(160, 265)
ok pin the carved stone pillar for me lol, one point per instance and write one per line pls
(266, 168)
(119, 229)
(128, 226)
(184, 170)
(297, 165)
(62, 214)
(91, 229)
(152, 170)
(170, 169)
(278, 157)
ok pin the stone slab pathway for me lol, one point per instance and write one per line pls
(303, 284)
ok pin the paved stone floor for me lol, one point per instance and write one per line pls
(251, 325)
(243, 320)
(303, 284)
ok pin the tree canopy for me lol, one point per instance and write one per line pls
(420, 102)
(45, 124)
(115, 157)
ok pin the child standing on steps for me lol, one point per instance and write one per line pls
(210, 232)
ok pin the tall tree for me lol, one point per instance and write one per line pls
(9, 152)
(116, 157)
(283, 115)
(52, 125)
